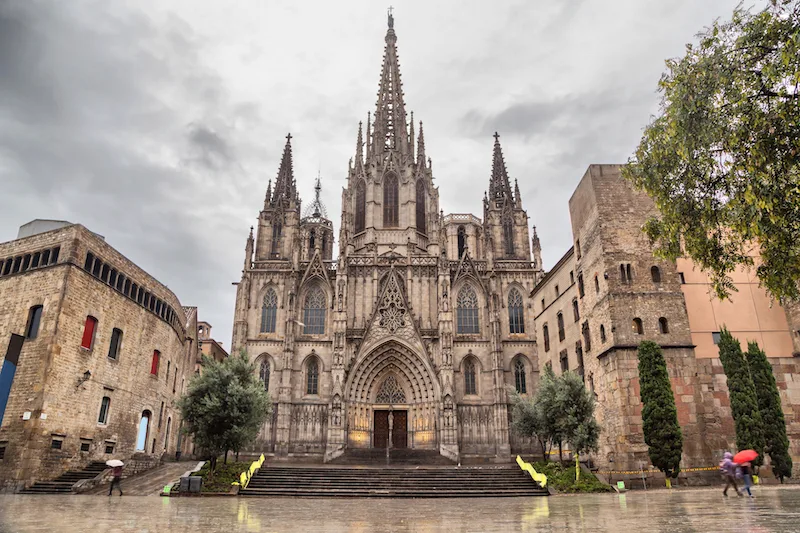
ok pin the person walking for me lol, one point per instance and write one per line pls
(116, 481)
(747, 477)
(728, 469)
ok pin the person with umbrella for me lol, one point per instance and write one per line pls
(116, 470)
(728, 468)
(743, 459)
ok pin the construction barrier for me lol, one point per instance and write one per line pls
(244, 477)
(655, 471)
(541, 479)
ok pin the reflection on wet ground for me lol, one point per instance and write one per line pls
(705, 511)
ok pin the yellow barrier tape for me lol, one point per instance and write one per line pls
(541, 479)
(654, 471)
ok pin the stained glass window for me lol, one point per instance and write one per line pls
(390, 201)
(361, 206)
(314, 312)
(516, 315)
(519, 377)
(467, 311)
(421, 206)
(269, 311)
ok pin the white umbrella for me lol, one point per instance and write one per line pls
(114, 462)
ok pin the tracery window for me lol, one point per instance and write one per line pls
(516, 314)
(312, 376)
(391, 206)
(390, 392)
(276, 239)
(467, 311)
(263, 373)
(519, 376)
(469, 378)
(508, 234)
(421, 206)
(314, 312)
(462, 241)
(361, 206)
(269, 311)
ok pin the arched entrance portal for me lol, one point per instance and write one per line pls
(392, 397)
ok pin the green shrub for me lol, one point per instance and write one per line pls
(222, 477)
(562, 478)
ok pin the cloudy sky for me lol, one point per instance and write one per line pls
(157, 123)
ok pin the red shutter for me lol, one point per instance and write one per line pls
(154, 364)
(88, 332)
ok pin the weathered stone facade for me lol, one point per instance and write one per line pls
(416, 330)
(83, 376)
(624, 296)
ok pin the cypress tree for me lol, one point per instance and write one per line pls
(742, 393)
(769, 405)
(662, 433)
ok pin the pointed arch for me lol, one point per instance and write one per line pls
(275, 246)
(391, 201)
(467, 311)
(520, 375)
(508, 232)
(269, 311)
(516, 313)
(264, 369)
(421, 210)
(361, 205)
(312, 375)
(314, 306)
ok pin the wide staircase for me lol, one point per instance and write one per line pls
(63, 483)
(388, 482)
(397, 457)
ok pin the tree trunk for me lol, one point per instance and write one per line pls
(544, 452)
(577, 467)
(560, 453)
(226, 457)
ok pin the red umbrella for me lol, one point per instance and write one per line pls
(745, 456)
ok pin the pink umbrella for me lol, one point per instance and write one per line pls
(745, 456)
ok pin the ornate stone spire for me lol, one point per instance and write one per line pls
(268, 198)
(316, 210)
(411, 136)
(359, 148)
(390, 126)
(285, 186)
(421, 147)
(248, 251)
(517, 195)
(537, 250)
(499, 187)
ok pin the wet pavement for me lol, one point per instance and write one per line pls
(701, 510)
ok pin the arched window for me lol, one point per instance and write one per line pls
(361, 206)
(391, 202)
(519, 376)
(314, 312)
(655, 272)
(560, 320)
(421, 206)
(312, 376)
(576, 314)
(663, 326)
(105, 404)
(89, 327)
(546, 337)
(263, 373)
(276, 239)
(467, 311)
(144, 429)
(508, 234)
(587, 336)
(462, 241)
(469, 378)
(34, 319)
(638, 328)
(269, 311)
(602, 333)
(516, 315)
(596, 284)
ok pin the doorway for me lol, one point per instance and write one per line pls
(399, 428)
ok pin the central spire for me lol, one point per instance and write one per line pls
(499, 186)
(389, 130)
(285, 185)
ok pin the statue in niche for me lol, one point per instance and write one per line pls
(445, 298)
(341, 294)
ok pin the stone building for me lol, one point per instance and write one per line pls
(96, 354)
(608, 293)
(414, 333)
(208, 346)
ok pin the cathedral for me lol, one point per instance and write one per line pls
(414, 336)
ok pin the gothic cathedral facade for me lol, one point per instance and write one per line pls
(416, 334)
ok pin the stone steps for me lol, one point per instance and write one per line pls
(391, 482)
(64, 482)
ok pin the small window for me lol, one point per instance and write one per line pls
(557, 291)
(546, 337)
(581, 291)
(34, 319)
(26, 262)
(3, 446)
(54, 255)
(85, 446)
(169, 363)
(312, 377)
(116, 341)
(89, 328)
(638, 328)
(110, 448)
(97, 268)
(587, 336)
(462, 241)
(629, 272)
(56, 444)
(519, 377)
(564, 359)
(561, 334)
(715, 336)
(602, 333)
(87, 265)
(596, 284)
(571, 277)
(681, 278)
(469, 378)
(578, 249)
(579, 354)
(543, 306)
(35, 260)
(575, 312)
(655, 273)
(663, 327)
(104, 405)
(104, 273)
(154, 362)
